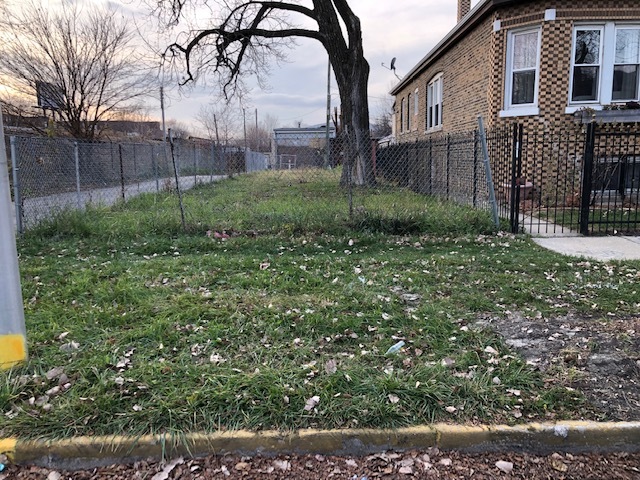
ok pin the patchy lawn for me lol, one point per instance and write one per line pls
(275, 310)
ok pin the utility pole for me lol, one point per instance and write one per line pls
(13, 336)
(244, 122)
(257, 135)
(164, 127)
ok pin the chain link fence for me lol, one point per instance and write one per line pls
(51, 175)
(536, 179)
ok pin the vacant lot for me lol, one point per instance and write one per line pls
(275, 309)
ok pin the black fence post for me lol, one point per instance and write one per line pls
(516, 173)
(121, 173)
(430, 166)
(587, 178)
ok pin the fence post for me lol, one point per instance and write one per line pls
(175, 173)
(587, 176)
(516, 173)
(487, 170)
(430, 166)
(76, 154)
(474, 194)
(213, 161)
(195, 163)
(135, 167)
(121, 172)
(154, 163)
(448, 160)
(17, 194)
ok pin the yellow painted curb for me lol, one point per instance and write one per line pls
(569, 435)
(8, 447)
(85, 452)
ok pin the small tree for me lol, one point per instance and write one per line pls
(249, 33)
(382, 118)
(178, 129)
(221, 121)
(82, 64)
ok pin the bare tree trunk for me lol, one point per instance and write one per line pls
(352, 75)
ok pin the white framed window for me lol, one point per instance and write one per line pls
(605, 65)
(416, 103)
(625, 64)
(408, 117)
(586, 64)
(522, 72)
(403, 113)
(434, 103)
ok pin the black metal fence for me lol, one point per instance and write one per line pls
(551, 180)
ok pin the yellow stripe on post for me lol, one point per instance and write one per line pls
(13, 350)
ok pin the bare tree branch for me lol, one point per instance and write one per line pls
(82, 63)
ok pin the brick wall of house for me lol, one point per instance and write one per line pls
(465, 75)
(474, 69)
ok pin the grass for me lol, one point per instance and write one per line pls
(148, 329)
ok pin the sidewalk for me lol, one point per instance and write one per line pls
(596, 248)
(571, 243)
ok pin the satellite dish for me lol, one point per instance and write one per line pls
(392, 67)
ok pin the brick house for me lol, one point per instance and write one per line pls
(550, 66)
(537, 62)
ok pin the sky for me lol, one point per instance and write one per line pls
(297, 90)
(405, 29)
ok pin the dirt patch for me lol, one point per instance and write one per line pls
(599, 357)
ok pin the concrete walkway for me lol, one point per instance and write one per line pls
(595, 248)
(571, 243)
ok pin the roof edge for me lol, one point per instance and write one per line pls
(470, 20)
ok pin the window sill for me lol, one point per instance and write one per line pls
(571, 109)
(434, 129)
(519, 112)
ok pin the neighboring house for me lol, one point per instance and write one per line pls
(537, 62)
(301, 147)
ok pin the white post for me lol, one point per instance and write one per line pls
(13, 337)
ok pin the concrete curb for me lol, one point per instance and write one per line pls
(88, 452)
